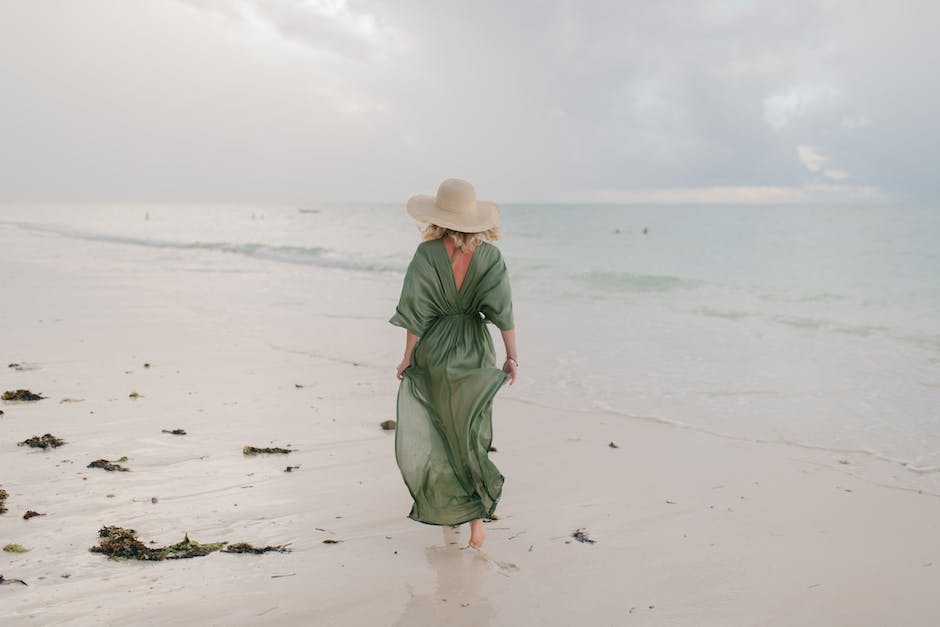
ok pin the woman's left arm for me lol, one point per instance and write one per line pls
(512, 355)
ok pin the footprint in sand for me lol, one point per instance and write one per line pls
(503, 568)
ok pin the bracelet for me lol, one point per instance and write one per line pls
(513, 361)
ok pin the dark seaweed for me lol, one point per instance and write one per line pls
(4, 581)
(581, 536)
(120, 543)
(106, 465)
(21, 395)
(45, 441)
(244, 547)
(254, 450)
(187, 548)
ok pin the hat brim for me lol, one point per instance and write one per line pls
(484, 216)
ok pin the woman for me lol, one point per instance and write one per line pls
(455, 283)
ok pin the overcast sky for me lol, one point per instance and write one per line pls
(317, 100)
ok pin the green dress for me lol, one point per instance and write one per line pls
(445, 399)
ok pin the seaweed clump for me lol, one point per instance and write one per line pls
(109, 466)
(45, 441)
(31, 514)
(15, 548)
(244, 547)
(581, 536)
(254, 450)
(120, 543)
(21, 395)
(3, 498)
(174, 431)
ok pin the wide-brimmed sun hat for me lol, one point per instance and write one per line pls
(455, 207)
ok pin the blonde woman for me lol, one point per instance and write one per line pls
(456, 282)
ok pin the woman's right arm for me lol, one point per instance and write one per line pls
(410, 340)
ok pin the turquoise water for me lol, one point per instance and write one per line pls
(818, 326)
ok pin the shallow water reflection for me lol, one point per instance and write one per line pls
(456, 600)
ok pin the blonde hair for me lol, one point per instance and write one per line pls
(463, 241)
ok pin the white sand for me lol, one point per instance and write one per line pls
(690, 529)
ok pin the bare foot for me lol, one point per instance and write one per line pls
(477, 534)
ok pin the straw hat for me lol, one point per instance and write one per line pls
(455, 207)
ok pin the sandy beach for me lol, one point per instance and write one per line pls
(687, 528)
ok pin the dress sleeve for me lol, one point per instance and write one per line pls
(496, 296)
(414, 308)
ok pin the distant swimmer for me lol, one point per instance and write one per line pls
(617, 231)
(645, 231)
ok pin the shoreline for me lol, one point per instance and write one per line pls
(733, 368)
(883, 463)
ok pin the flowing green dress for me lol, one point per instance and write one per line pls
(445, 400)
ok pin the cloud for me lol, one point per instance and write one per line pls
(322, 25)
(815, 162)
(794, 101)
(818, 193)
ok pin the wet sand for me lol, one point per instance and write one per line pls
(689, 528)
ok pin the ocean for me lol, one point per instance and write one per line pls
(815, 327)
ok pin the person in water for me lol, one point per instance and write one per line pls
(456, 283)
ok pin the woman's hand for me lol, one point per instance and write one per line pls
(404, 365)
(509, 367)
